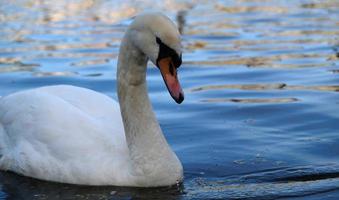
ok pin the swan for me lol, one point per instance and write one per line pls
(74, 135)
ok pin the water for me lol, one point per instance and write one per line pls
(260, 118)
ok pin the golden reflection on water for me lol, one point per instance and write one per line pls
(241, 9)
(242, 87)
(287, 44)
(45, 74)
(89, 10)
(54, 11)
(277, 86)
(251, 100)
(54, 47)
(16, 68)
(274, 61)
(90, 62)
(328, 88)
(280, 39)
(14, 64)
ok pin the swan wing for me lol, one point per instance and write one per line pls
(62, 133)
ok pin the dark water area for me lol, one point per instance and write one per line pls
(260, 118)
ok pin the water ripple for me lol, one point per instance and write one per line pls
(261, 82)
(270, 184)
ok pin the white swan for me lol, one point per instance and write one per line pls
(75, 135)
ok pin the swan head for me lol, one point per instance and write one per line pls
(156, 36)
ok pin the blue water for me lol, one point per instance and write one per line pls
(261, 115)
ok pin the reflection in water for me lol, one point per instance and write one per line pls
(280, 61)
(270, 100)
(266, 72)
(90, 62)
(278, 86)
(43, 12)
(17, 68)
(242, 87)
(14, 65)
(270, 184)
(19, 187)
(44, 74)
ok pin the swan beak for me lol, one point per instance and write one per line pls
(169, 74)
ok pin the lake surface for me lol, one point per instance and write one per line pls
(261, 80)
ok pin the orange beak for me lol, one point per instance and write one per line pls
(169, 74)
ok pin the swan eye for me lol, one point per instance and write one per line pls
(166, 51)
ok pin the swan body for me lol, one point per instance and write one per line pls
(75, 135)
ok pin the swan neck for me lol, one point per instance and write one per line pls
(149, 152)
(136, 110)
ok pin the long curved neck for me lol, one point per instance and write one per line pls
(148, 148)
